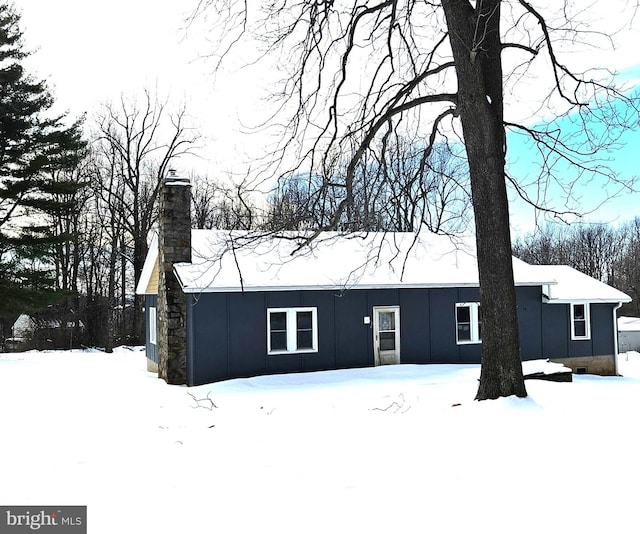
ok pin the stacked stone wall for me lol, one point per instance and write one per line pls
(174, 244)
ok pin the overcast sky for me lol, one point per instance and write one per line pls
(92, 51)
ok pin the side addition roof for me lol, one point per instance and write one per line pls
(574, 286)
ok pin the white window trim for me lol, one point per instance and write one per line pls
(587, 319)
(292, 330)
(473, 315)
(153, 339)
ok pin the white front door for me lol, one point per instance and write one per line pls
(386, 335)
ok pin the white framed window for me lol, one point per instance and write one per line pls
(580, 321)
(152, 326)
(291, 330)
(468, 323)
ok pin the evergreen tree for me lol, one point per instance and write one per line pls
(37, 151)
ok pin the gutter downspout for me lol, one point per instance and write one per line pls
(615, 338)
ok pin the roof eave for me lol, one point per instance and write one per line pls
(338, 287)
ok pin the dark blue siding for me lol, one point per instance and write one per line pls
(228, 337)
(352, 336)
(208, 335)
(602, 328)
(556, 332)
(442, 314)
(247, 330)
(415, 321)
(530, 322)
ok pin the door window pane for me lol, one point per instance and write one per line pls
(387, 341)
(387, 320)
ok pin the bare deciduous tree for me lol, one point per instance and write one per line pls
(141, 140)
(607, 253)
(220, 207)
(356, 72)
(397, 192)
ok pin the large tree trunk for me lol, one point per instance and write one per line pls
(475, 41)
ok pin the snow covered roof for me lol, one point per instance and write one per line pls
(574, 286)
(242, 261)
(629, 324)
(224, 261)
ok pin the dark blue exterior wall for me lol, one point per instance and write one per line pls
(556, 332)
(227, 331)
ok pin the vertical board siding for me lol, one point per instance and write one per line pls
(556, 331)
(247, 334)
(228, 337)
(209, 338)
(415, 326)
(351, 334)
(442, 313)
(529, 302)
(602, 332)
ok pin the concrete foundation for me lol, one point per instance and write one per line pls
(152, 366)
(604, 365)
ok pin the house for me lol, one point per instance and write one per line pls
(44, 330)
(629, 333)
(236, 304)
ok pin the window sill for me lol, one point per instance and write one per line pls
(284, 352)
(468, 342)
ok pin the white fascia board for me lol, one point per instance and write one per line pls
(250, 288)
(147, 268)
(586, 301)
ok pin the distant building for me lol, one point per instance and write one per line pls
(629, 334)
(39, 332)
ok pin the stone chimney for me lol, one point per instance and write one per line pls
(174, 246)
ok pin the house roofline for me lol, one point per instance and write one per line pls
(336, 287)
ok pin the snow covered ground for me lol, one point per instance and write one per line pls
(400, 449)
